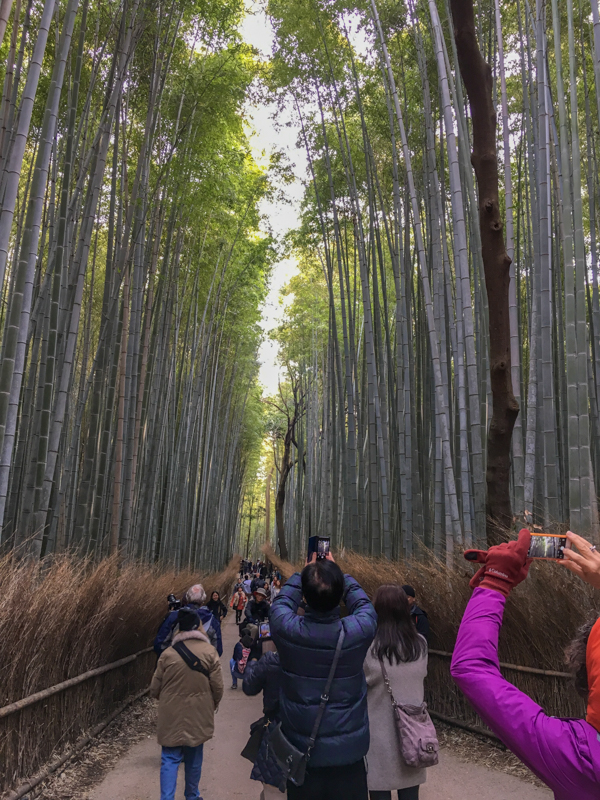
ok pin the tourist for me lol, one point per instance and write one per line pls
(194, 600)
(238, 601)
(257, 583)
(217, 607)
(241, 655)
(257, 610)
(419, 616)
(247, 585)
(563, 753)
(306, 646)
(187, 700)
(275, 588)
(401, 651)
(265, 676)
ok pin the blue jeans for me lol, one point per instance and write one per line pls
(170, 761)
(234, 673)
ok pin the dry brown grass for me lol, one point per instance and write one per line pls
(542, 616)
(63, 618)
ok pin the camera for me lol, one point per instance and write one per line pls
(174, 603)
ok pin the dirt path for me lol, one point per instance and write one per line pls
(225, 775)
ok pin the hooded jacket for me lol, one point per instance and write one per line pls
(306, 646)
(211, 625)
(563, 753)
(187, 699)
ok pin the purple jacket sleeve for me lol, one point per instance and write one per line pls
(565, 754)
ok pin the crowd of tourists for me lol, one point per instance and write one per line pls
(342, 681)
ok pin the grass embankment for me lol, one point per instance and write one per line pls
(542, 615)
(63, 618)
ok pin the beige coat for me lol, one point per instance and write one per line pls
(187, 700)
(386, 768)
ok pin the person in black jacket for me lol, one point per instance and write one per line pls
(419, 616)
(265, 676)
(257, 610)
(217, 607)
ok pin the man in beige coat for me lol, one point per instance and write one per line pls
(188, 697)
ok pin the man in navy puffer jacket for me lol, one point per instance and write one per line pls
(306, 646)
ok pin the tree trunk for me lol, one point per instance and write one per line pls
(477, 77)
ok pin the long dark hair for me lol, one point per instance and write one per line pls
(396, 638)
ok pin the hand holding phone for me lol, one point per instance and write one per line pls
(584, 561)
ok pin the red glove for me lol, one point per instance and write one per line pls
(504, 566)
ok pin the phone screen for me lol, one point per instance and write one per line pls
(265, 629)
(546, 545)
(323, 548)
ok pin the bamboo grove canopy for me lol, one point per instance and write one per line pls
(131, 277)
(386, 341)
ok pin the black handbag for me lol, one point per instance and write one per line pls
(293, 762)
(257, 731)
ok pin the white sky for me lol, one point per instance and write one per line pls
(265, 138)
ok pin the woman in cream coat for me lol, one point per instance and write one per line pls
(404, 653)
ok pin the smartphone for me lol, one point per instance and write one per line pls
(264, 630)
(548, 545)
(319, 545)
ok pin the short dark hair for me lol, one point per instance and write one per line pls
(322, 585)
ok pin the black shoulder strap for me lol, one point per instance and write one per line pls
(190, 659)
(325, 695)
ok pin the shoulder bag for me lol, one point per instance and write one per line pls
(419, 746)
(291, 761)
(190, 659)
(257, 731)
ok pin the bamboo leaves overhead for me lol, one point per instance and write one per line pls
(392, 214)
(131, 276)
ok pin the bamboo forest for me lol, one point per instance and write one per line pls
(437, 341)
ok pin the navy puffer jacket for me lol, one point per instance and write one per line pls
(306, 647)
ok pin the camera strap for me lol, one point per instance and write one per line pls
(325, 695)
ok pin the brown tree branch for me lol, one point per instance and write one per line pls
(477, 77)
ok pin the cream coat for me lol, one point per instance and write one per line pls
(386, 768)
(187, 700)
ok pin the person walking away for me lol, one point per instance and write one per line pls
(257, 583)
(241, 655)
(247, 585)
(238, 601)
(563, 753)
(275, 588)
(306, 646)
(187, 701)
(265, 676)
(194, 600)
(403, 652)
(216, 606)
(418, 615)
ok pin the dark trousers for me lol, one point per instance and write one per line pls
(412, 793)
(238, 616)
(348, 782)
